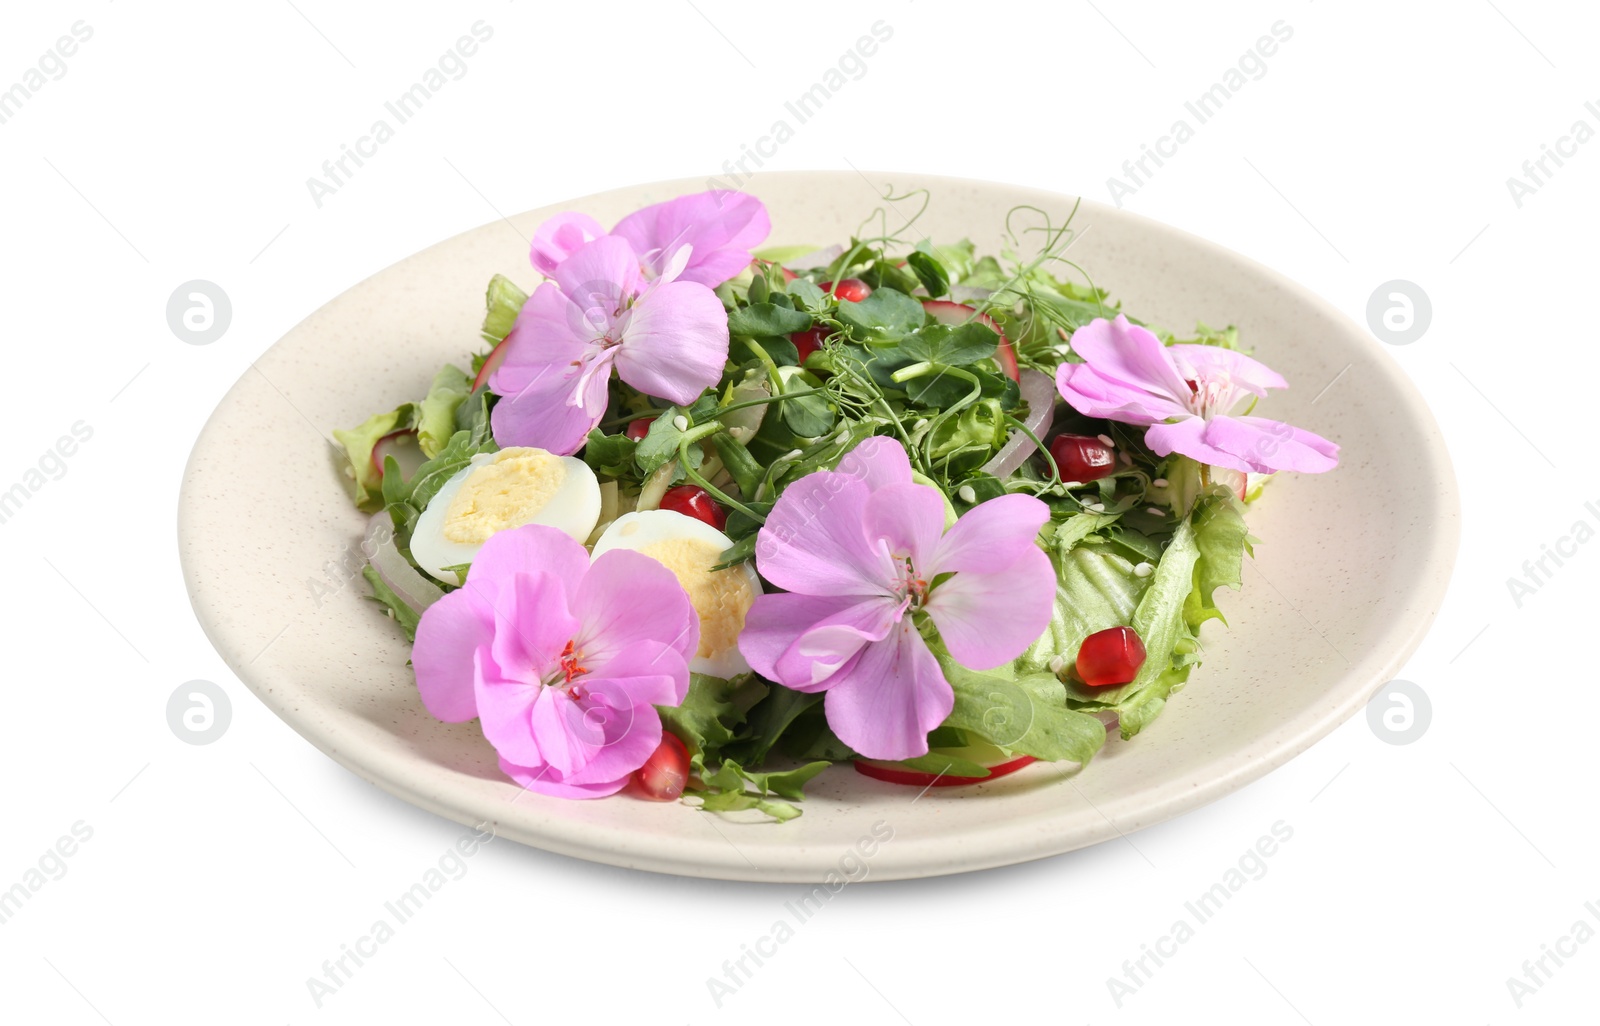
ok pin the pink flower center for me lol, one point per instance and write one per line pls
(568, 671)
(1212, 395)
(910, 587)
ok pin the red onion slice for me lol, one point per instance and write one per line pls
(1040, 394)
(402, 578)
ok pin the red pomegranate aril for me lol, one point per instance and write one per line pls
(1083, 458)
(694, 501)
(1110, 657)
(853, 289)
(808, 341)
(637, 429)
(664, 774)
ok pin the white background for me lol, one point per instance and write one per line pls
(219, 878)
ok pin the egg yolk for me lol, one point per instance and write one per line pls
(507, 491)
(720, 598)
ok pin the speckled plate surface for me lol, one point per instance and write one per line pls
(1333, 603)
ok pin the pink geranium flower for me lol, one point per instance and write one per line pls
(862, 551)
(667, 338)
(721, 227)
(1186, 394)
(561, 661)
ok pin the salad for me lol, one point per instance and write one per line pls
(702, 519)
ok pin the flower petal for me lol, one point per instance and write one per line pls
(828, 648)
(1095, 395)
(878, 461)
(990, 536)
(646, 673)
(722, 226)
(542, 780)
(452, 630)
(775, 622)
(531, 627)
(675, 342)
(813, 541)
(886, 703)
(909, 519)
(1130, 354)
(527, 549)
(1264, 445)
(547, 401)
(559, 237)
(1188, 437)
(506, 712)
(627, 598)
(988, 619)
(602, 274)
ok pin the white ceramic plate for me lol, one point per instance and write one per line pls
(1339, 594)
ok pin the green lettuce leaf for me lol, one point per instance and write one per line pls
(1027, 714)
(358, 443)
(436, 414)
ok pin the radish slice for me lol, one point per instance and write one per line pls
(1040, 394)
(496, 357)
(402, 578)
(892, 774)
(946, 312)
(402, 445)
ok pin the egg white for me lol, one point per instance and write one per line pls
(574, 509)
(641, 530)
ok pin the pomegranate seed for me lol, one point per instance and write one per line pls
(694, 501)
(808, 341)
(1112, 656)
(1083, 458)
(664, 774)
(637, 429)
(853, 289)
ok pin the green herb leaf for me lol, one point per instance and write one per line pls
(401, 613)
(885, 316)
(762, 320)
(929, 271)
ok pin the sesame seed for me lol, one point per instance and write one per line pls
(966, 494)
(1156, 511)
(1143, 570)
(1057, 664)
(1159, 482)
(680, 422)
(1127, 460)
(1095, 507)
(1106, 440)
